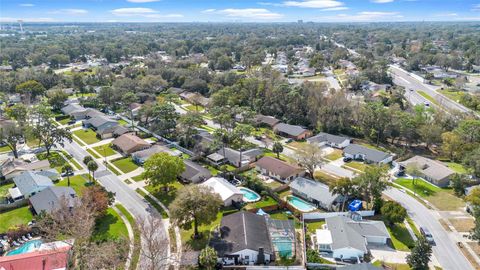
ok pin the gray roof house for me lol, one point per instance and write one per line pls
(266, 120)
(315, 192)
(361, 266)
(194, 172)
(348, 239)
(330, 140)
(71, 108)
(51, 198)
(431, 170)
(369, 155)
(233, 156)
(141, 156)
(292, 131)
(30, 182)
(100, 123)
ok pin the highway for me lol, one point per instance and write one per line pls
(445, 250)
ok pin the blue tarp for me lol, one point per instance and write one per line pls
(356, 205)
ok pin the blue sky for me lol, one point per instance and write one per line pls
(238, 11)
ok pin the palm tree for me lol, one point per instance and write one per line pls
(343, 187)
(92, 167)
(67, 169)
(277, 148)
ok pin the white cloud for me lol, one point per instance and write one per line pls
(9, 19)
(476, 7)
(382, 1)
(142, 1)
(447, 15)
(27, 5)
(364, 16)
(249, 13)
(313, 4)
(132, 11)
(70, 11)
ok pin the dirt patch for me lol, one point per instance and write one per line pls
(462, 224)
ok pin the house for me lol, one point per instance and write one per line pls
(48, 256)
(232, 156)
(229, 193)
(336, 141)
(292, 131)
(216, 159)
(348, 239)
(278, 169)
(194, 172)
(433, 171)
(369, 155)
(73, 108)
(265, 120)
(50, 198)
(175, 90)
(243, 239)
(141, 156)
(113, 131)
(100, 123)
(129, 143)
(195, 98)
(315, 192)
(13, 167)
(29, 183)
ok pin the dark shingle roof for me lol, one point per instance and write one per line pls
(50, 198)
(194, 170)
(291, 130)
(278, 167)
(314, 190)
(370, 154)
(267, 120)
(325, 137)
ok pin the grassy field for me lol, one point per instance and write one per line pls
(126, 165)
(400, 236)
(152, 202)
(109, 227)
(441, 198)
(264, 202)
(88, 136)
(77, 182)
(295, 144)
(355, 165)
(458, 168)
(452, 94)
(428, 97)
(104, 150)
(165, 197)
(336, 154)
(4, 189)
(15, 217)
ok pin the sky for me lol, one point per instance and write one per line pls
(238, 10)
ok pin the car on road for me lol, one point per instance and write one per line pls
(426, 104)
(426, 233)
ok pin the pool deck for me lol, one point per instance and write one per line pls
(311, 209)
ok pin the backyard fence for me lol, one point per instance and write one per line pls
(320, 215)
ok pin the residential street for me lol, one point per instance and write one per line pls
(445, 248)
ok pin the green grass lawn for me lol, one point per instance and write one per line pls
(4, 190)
(136, 235)
(64, 121)
(105, 150)
(441, 198)
(152, 202)
(456, 167)
(165, 197)
(428, 97)
(138, 178)
(208, 128)
(193, 108)
(395, 266)
(355, 165)
(4, 149)
(336, 154)
(77, 182)
(400, 236)
(264, 202)
(122, 122)
(31, 142)
(92, 153)
(88, 136)
(126, 165)
(115, 171)
(452, 94)
(109, 227)
(413, 226)
(324, 177)
(71, 159)
(313, 226)
(295, 144)
(15, 217)
(55, 159)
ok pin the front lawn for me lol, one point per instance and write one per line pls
(312, 227)
(104, 150)
(336, 154)
(355, 166)
(296, 144)
(123, 122)
(396, 266)
(109, 227)
(77, 182)
(4, 190)
(324, 177)
(15, 217)
(194, 108)
(264, 202)
(138, 178)
(125, 165)
(165, 197)
(421, 187)
(401, 238)
(87, 135)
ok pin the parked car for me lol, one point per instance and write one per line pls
(65, 174)
(347, 159)
(289, 141)
(426, 233)
(400, 173)
(71, 122)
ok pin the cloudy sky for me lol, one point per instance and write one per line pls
(238, 11)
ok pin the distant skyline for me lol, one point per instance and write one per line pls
(238, 11)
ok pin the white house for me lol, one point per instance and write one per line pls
(369, 155)
(29, 183)
(228, 192)
(322, 139)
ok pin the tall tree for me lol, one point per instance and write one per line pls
(208, 258)
(419, 258)
(30, 90)
(195, 205)
(162, 169)
(153, 244)
(393, 212)
(372, 183)
(277, 148)
(19, 113)
(56, 98)
(241, 132)
(187, 124)
(92, 166)
(67, 169)
(11, 135)
(345, 188)
(310, 157)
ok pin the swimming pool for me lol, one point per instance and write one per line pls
(300, 204)
(249, 195)
(26, 248)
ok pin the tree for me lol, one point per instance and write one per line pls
(30, 89)
(393, 212)
(67, 169)
(208, 258)
(11, 135)
(345, 188)
(78, 84)
(372, 183)
(87, 159)
(241, 132)
(127, 100)
(98, 199)
(195, 205)
(419, 258)
(19, 113)
(164, 119)
(452, 145)
(474, 197)
(153, 244)
(277, 148)
(56, 98)
(187, 124)
(92, 166)
(310, 157)
(413, 169)
(472, 162)
(459, 183)
(162, 169)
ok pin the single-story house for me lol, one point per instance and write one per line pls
(194, 172)
(315, 192)
(278, 169)
(113, 131)
(348, 239)
(29, 183)
(431, 170)
(216, 159)
(50, 198)
(292, 131)
(75, 110)
(53, 255)
(195, 98)
(369, 155)
(129, 143)
(265, 120)
(232, 156)
(243, 239)
(100, 123)
(229, 193)
(141, 156)
(336, 141)
(13, 167)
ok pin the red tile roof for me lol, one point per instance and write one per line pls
(39, 260)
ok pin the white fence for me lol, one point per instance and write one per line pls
(321, 215)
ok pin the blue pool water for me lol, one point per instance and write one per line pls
(249, 195)
(284, 248)
(25, 248)
(300, 204)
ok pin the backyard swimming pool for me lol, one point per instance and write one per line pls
(249, 195)
(26, 248)
(300, 204)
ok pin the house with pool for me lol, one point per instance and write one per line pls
(229, 193)
(315, 193)
(277, 169)
(247, 238)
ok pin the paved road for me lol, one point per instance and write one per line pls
(445, 250)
